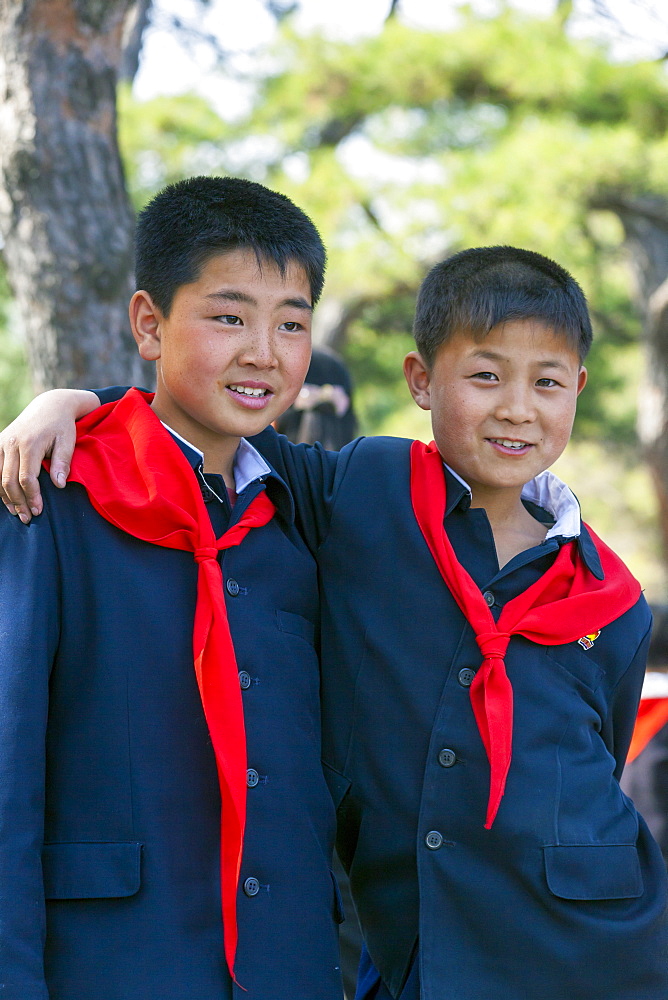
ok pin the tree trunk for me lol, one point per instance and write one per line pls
(645, 222)
(653, 406)
(136, 24)
(64, 212)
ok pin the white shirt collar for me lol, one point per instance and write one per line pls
(249, 464)
(554, 496)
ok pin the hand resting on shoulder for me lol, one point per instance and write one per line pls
(45, 429)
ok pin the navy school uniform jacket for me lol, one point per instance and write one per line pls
(109, 801)
(565, 898)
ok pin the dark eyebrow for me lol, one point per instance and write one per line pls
(553, 364)
(232, 296)
(487, 355)
(494, 356)
(298, 303)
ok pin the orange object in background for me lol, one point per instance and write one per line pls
(652, 716)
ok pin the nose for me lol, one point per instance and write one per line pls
(259, 349)
(516, 405)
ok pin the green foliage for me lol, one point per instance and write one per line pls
(412, 144)
(503, 131)
(379, 338)
(166, 139)
(517, 62)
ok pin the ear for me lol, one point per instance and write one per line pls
(582, 379)
(418, 378)
(145, 319)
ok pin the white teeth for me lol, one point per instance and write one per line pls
(246, 390)
(516, 445)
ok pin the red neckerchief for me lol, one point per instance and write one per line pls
(137, 477)
(566, 603)
(652, 716)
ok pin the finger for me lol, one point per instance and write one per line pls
(29, 470)
(12, 494)
(4, 496)
(61, 455)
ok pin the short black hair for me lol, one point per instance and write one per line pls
(193, 220)
(476, 289)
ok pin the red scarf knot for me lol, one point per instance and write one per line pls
(493, 645)
(565, 603)
(205, 552)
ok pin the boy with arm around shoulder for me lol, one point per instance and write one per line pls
(482, 658)
(132, 700)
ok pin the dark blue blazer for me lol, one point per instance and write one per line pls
(565, 898)
(109, 802)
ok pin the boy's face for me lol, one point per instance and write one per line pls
(232, 354)
(502, 408)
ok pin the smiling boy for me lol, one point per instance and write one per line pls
(482, 659)
(528, 396)
(222, 376)
(149, 730)
(482, 656)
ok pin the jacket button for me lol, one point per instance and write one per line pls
(244, 680)
(232, 587)
(489, 598)
(433, 840)
(447, 758)
(252, 777)
(251, 887)
(465, 676)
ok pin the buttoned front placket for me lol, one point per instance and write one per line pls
(456, 750)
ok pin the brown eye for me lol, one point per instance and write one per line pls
(230, 320)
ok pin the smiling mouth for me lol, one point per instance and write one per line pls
(511, 445)
(246, 390)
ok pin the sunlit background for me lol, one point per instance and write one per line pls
(411, 130)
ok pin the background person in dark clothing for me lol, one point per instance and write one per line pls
(323, 410)
(645, 776)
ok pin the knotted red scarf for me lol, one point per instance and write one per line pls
(566, 603)
(137, 477)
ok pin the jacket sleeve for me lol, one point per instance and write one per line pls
(618, 727)
(112, 393)
(28, 640)
(313, 475)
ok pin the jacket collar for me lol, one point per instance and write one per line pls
(249, 468)
(550, 494)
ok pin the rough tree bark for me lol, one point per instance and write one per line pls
(653, 412)
(64, 213)
(645, 222)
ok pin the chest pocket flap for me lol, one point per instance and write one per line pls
(296, 625)
(593, 871)
(91, 870)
